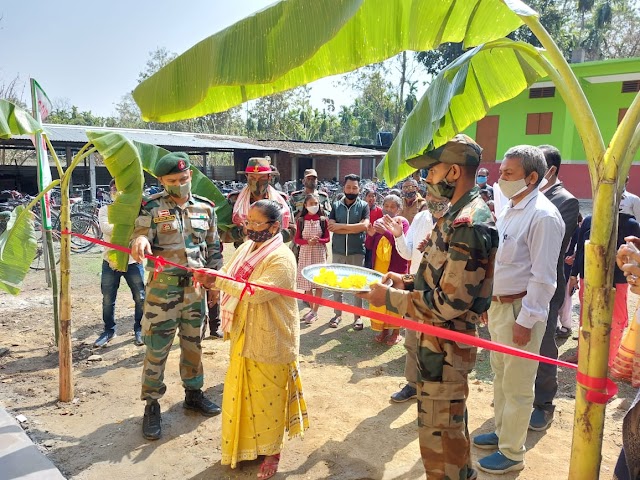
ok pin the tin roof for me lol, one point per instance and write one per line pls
(197, 142)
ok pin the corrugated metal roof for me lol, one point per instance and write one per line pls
(193, 142)
(162, 138)
(316, 148)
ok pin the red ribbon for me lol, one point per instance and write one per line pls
(599, 390)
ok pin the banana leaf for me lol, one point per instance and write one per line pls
(122, 159)
(460, 95)
(18, 247)
(126, 161)
(16, 121)
(294, 42)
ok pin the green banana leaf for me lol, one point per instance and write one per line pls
(122, 159)
(294, 42)
(200, 183)
(460, 95)
(126, 161)
(16, 121)
(18, 247)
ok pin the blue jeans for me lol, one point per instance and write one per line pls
(109, 286)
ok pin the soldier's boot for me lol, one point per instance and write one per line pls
(195, 400)
(152, 422)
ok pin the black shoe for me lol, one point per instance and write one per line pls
(472, 474)
(104, 339)
(216, 334)
(195, 400)
(152, 422)
(407, 393)
(138, 338)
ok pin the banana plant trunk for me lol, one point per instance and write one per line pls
(64, 343)
(597, 310)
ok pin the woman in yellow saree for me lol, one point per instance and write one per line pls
(262, 395)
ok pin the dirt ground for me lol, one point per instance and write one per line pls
(356, 433)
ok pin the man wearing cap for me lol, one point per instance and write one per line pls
(259, 173)
(481, 181)
(451, 289)
(310, 187)
(412, 201)
(531, 232)
(181, 227)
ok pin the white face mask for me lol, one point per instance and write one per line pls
(511, 188)
(313, 209)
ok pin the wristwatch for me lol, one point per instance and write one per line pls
(408, 281)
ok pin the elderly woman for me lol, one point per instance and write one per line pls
(262, 390)
(386, 258)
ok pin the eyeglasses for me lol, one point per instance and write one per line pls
(250, 224)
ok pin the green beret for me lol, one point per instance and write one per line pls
(174, 162)
(460, 150)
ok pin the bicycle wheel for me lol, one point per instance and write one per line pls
(83, 224)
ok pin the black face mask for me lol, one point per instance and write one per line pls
(410, 195)
(351, 196)
(259, 236)
(311, 184)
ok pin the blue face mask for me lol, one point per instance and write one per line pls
(481, 179)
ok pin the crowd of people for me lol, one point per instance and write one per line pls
(453, 258)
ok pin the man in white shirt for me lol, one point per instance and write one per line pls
(410, 247)
(531, 232)
(110, 282)
(630, 203)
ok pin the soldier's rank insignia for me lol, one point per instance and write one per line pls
(164, 218)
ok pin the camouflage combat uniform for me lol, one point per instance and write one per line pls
(187, 236)
(297, 202)
(452, 289)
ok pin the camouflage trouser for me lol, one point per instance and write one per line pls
(167, 309)
(411, 360)
(442, 415)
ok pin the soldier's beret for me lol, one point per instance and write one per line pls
(460, 150)
(174, 162)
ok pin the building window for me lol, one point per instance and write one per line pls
(621, 114)
(631, 86)
(544, 92)
(539, 123)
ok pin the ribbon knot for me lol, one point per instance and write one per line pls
(599, 390)
(160, 262)
(248, 288)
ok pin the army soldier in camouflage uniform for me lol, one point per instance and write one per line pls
(310, 187)
(180, 227)
(452, 289)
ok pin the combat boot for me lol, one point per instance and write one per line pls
(152, 422)
(195, 400)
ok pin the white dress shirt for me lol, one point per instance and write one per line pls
(630, 204)
(107, 230)
(407, 245)
(531, 234)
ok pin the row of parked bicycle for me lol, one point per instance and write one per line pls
(84, 220)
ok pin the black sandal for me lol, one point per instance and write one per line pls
(335, 321)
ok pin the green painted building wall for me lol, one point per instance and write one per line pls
(606, 100)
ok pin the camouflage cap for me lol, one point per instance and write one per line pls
(174, 162)
(460, 150)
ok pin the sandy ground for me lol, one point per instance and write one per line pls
(356, 433)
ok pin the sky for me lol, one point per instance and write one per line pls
(90, 53)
